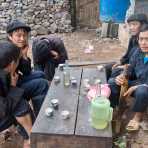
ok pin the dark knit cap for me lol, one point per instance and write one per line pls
(142, 18)
(16, 24)
(8, 53)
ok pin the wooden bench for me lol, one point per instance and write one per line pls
(76, 132)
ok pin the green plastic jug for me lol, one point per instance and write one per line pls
(100, 112)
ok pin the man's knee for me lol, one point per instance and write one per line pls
(112, 84)
(35, 87)
(42, 85)
(111, 81)
(37, 74)
(141, 99)
(142, 91)
(115, 91)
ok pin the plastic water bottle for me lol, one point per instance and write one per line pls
(66, 74)
(101, 112)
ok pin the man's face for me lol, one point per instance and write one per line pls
(143, 41)
(19, 37)
(134, 27)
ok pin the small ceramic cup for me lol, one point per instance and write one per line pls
(86, 84)
(61, 67)
(100, 67)
(49, 112)
(56, 79)
(65, 114)
(55, 103)
(73, 81)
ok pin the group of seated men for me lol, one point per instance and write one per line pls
(136, 58)
(19, 83)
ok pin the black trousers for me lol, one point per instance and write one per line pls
(140, 95)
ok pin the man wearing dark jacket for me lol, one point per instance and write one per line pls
(13, 107)
(138, 81)
(135, 22)
(48, 52)
(33, 83)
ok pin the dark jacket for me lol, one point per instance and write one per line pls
(24, 66)
(9, 96)
(54, 43)
(138, 71)
(132, 46)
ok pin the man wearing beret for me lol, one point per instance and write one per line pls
(33, 83)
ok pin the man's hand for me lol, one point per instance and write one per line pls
(14, 79)
(120, 80)
(130, 91)
(54, 54)
(119, 66)
(115, 65)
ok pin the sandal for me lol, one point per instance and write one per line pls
(144, 125)
(133, 125)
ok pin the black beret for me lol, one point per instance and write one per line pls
(16, 24)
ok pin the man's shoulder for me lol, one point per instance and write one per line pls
(137, 51)
(137, 55)
(36, 39)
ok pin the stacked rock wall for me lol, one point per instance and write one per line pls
(43, 16)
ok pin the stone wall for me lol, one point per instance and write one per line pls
(43, 16)
(141, 6)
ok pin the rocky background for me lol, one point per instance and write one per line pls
(43, 16)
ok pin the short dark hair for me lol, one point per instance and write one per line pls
(11, 33)
(140, 17)
(8, 53)
(144, 28)
(41, 51)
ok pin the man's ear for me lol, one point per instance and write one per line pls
(10, 37)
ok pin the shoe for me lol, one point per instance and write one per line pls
(133, 125)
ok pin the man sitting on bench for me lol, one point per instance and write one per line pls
(138, 81)
(33, 82)
(14, 109)
(48, 52)
(135, 22)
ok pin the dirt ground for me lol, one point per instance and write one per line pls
(78, 42)
(83, 46)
